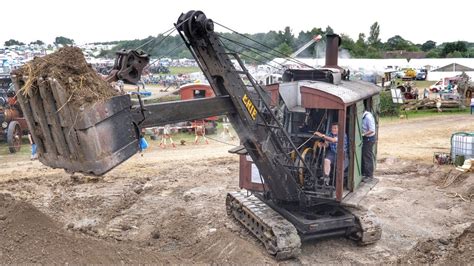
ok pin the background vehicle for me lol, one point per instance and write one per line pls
(12, 124)
(200, 91)
(409, 74)
(421, 74)
(443, 83)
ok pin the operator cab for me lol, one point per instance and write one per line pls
(313, 100)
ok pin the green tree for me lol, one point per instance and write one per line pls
(347, 42)
(451, 47)
(455, 54)
(38, 42)
(63, 41)
(329, 30)
(461, 46)
(286, 36)
(184, 54)
(374, 34)
(360, 47)
(396, 43)
(373, 52)
(284, 48)
(428, 45)
(470, 53)
(433, 53)
(387, 107)
(13, 42)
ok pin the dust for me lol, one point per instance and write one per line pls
(76, 76)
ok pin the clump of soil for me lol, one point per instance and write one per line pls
(30, 236)
(68, 65)
(455, 249)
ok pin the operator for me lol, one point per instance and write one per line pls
(331, 155)
(368, 135)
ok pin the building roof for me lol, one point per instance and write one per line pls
(195, 86)
(453, 67)
(317, 94)
(348, 91)
(404, 54)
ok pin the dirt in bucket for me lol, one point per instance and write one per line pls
(68, 65)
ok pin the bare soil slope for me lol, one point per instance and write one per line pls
(169, 206)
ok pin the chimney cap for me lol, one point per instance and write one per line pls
(333, 35)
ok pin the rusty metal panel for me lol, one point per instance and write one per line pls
(186, 92)
(311, 98)
(273, 89)
(340, 155)
(245, 175)
(347, 92)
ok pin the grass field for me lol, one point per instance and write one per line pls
(418, 83)
(182, 70)
(424, 83)
(25, 148)
(426, 113)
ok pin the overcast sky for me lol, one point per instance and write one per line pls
(96, 20)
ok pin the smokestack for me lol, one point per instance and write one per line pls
(332, 50)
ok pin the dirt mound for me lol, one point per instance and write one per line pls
(75, 75)
(29, 236)
(458, 248)
(463, 252)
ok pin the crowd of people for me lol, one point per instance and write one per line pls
(166, 80)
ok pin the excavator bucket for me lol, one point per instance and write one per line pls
(90, 140)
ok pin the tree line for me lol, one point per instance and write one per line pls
(285, 42)
(60, 40)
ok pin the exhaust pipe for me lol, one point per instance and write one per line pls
(333, 41)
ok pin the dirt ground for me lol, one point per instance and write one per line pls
(168, 206)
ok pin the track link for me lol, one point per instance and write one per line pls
(279, 236)
(369, 226)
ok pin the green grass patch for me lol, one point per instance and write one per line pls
(418, 83)
(423, 83)
(182, 70)
(167, 98)
(24, 150)
(427, 113)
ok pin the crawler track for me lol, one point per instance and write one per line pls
(279, 236)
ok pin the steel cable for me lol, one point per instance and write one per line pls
(266, 46)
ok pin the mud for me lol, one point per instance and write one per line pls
(69, 67)
(168, 206)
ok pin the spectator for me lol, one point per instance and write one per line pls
(368, 141)
(34, 154)
(200, 131)
(472, 104)
(166, 135)
(438, 103)
(426, 93)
